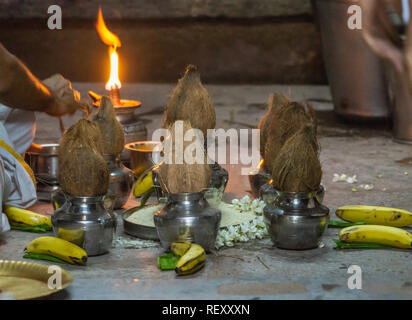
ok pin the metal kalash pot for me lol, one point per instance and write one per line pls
(188, 217)
(45, 166)
(121, 180)
(295, 220)
(88, 222)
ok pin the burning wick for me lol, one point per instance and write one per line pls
(113, 85)
(110, 39)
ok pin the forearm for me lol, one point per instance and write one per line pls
(19, 88)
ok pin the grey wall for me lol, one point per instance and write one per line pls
(232, 41)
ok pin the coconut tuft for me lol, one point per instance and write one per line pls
(110, 128)
(190, 101)
(179, 175)
(297, 167)
(287, 120)
(276, 102)
(82, 169)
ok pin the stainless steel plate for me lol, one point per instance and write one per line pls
(137, 230)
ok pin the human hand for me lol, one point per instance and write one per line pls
(65, 99)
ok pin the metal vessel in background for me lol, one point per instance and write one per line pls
(143, 155)
(296, 220)
(86, 222)
(45, 166)
(121, 180)
(187, 217)
(356, 74)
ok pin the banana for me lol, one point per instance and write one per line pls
(58, 248)
(143, 184)
(179, 248)
(26, 217)
(391, 236)
(192, 261)
(375, 215)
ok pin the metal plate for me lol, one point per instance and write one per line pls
(28, 280)
(137, 230)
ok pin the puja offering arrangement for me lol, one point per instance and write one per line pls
(190, 101)
(121, 178)
(83, 171)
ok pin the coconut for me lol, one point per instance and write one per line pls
(297, 167)
(276, 101)
(190, 101)
(110, 128)
(183, 176)
(82, 168)
(287, 120)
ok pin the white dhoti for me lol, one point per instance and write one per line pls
(17, 129)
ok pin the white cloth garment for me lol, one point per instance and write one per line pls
(17, 129)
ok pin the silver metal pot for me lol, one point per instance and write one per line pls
(86, 222)
(121, 180)
(296, 220)
(187, 217)
(257, 178)
(45, 166)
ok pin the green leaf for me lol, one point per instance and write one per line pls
(41, 228)
(146, 197)
(341, 224)
(345, 245)
(38, 256)
(167, 261)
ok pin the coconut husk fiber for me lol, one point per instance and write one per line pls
(287, 120)
(191, 101)
(297, 167)
(110, 128)
(276, 101)
(184, 177)
(82, 168)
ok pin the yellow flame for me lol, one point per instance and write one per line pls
(113, 41)
(114, 82)
(105, 34)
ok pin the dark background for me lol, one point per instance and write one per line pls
(232, 41)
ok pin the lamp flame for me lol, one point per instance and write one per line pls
(113, 42)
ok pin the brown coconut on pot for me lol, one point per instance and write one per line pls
(191, 101)
(184, 177)
(110, 128)
(276, 101)
(288, 120)
(82, 168)
(297, 167)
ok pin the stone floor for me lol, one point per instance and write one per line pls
(257, 269)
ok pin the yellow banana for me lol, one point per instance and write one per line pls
(192, 261)
(58, 248)
(26, 217)
(179, 248)
(391, 236)
(143, 184)
(375, 215)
